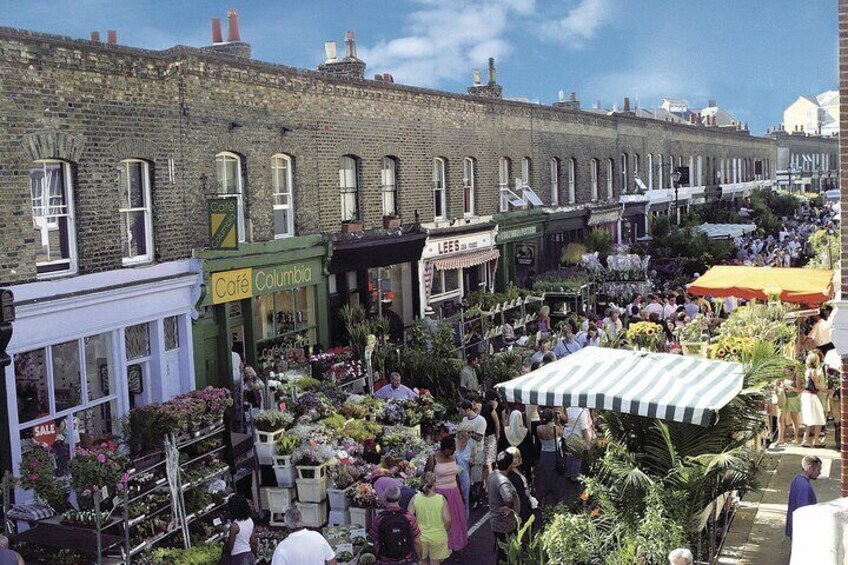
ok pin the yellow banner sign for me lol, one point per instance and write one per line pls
(232, 285)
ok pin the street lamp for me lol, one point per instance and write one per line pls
(675, 179)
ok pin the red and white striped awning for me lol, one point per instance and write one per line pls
(465, 260)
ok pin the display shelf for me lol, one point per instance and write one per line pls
(207, 478)
(203, 456)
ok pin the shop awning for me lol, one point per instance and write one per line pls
(726, 231)
(465, 260)
(801, 286)
(655, 385)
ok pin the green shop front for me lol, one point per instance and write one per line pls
(268, 299)
(519, 238)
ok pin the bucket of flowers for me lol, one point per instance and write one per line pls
(646, 336)
(363, 501)
(402, 415)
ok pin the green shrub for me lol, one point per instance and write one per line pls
(201, 555)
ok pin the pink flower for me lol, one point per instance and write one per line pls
(101, 458)
(120, 487)
(33, 477)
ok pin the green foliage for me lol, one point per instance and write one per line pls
(768, 206)
(572, 539)
(501, 367)
(564, 280)
(763, 322)
(273, 420)
(209, 554)
(522, 547)
(429, 361)
(598, 240)
(487, 301)
(573, 253)
(287, 443)
(826, 247)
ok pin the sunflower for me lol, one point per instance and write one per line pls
(721, 353)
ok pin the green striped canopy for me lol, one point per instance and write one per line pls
(656, 385)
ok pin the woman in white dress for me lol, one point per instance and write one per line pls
(812, 412)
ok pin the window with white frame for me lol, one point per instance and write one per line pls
(137, 344)
(637, 165)
(594, 174)
(349, 187)
(52, 195)
(445, 283)
(650, 168)
(230, 185)
(624, 174)
(525, 170)
(440, 203)
(69, 389)
(388, 185)
(282, 183)
(504, 174)
(469, 208)
(660, 171)
(572, 181)
(135, 210)
(555, 172)
(610, 190)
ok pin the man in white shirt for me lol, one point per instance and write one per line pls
(670, 307)
(654, 307)
(478, 423)
(395, 390)
(302, 547)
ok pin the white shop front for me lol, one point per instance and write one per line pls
(455, 263)
(87, 349)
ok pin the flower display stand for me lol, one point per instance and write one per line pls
(338, 499)
(361, 516)
(266, 445)
(339, 517)
(312, 490)
(311, 471)
(314, 514)
(285, 472)
(279, 499)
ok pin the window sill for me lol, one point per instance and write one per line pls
(283, 236)
(55, 275)
(136, 261)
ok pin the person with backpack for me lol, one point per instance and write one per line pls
(395, 533)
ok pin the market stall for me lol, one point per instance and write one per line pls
(799, 286)
(656, 385)
(726, 231)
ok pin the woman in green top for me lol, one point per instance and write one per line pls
(431, 511)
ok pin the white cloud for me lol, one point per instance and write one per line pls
(581, 23)
(446, 39)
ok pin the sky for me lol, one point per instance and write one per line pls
(753, 57)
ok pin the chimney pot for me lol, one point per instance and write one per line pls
(388, 78)
(627, 104)
(330, 50)
(477, 81)
(561, 96)
(573, 96)
(217, 34)
(112, 37)
(712, 104)
(233, 33)
(95, 36)
(350, 45)
(378, 77)
(493, 75)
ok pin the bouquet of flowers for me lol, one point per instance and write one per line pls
(37, 471)
(361, 430)
(646, 335)
(732, 348)
(353, 410)
(273, 420)
(94, 468)
(313, 454)
(401, 445)
(345, 474)
(401, 413)
(362, 495)
(314, 406)
(431, 411)
(347, 371)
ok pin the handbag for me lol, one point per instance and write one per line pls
(560, 466)
(574, 442)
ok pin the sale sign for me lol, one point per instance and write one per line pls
(45, 434)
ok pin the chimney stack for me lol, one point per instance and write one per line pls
(712, 104)
(112, 37)
(387, 77)
(477, 81)
(561, 96)
(350, 45)
(572, 101)
(95, 36)
(217, 34)
(330, 50)
(489, 90)
(493, 74)
(233, 26)
(626, 104)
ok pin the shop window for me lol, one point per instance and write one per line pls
(286, 317)
(554, 181)
(171, 325)
(349, 187)
(468, 184)
(388, 186)
(52, 197)
(440, 203)
(137, 341)
(282, 183)
(594, 170)
(228, 168)
(66, 390)
(445, 282)
(135, 210)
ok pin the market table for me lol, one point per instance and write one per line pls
(83, 540)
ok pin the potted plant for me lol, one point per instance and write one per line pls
(283, 468)
(344, 476)
(352, 226)
(270, 425)
(392, 221)
(97, 467)
(37, 472)
(363, 500)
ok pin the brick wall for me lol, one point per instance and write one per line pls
(94, 104)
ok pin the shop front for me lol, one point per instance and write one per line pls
(456, 262)
(267, 300)
(519, 241)
(562, 228)
(606, 218)
(378, 271)
(87, 349)
(634, 225)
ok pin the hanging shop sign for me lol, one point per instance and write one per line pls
(519, 233)
(604, 217)
(451, 245)
(239, 284)
(525, 254)
(223, 224)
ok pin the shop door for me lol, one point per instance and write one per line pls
(525, 264)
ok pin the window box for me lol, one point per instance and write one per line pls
(352, 226)
(392, 222)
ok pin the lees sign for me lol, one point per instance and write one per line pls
(457, 244)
